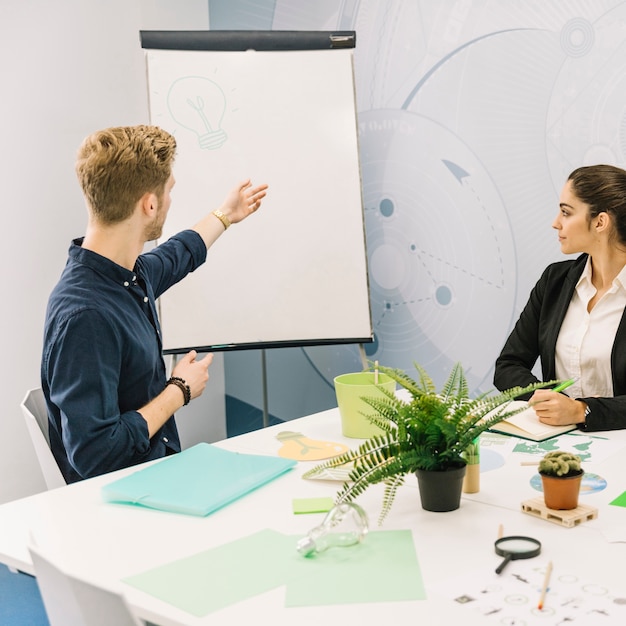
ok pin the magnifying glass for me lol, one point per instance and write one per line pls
(516, 547)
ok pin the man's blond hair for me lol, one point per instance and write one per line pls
(117, 166)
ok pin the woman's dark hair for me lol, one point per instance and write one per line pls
(603, 189)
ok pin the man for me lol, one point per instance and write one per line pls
(109, 401)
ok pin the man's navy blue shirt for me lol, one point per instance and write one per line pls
(102, 356)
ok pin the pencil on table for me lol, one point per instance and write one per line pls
(544, 589)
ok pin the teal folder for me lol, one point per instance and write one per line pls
(197, 481)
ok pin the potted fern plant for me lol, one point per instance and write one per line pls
(561, 475)
(425, 434)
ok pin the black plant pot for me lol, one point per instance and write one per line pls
(441, 491)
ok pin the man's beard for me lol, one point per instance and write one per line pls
(155, 229)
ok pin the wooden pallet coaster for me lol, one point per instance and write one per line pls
(569, 519)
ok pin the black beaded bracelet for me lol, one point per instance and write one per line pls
(183, 386)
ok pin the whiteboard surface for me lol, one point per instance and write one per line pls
(295, 272)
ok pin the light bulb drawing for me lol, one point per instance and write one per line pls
(198, 104)
(345, 525)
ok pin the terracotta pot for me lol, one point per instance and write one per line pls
(441, 491)
(561, 493)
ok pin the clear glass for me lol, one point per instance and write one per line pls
(345, 525)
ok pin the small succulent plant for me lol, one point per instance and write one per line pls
(560, 463)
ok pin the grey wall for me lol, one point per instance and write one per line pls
(471, 116)
(67, 68)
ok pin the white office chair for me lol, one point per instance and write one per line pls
(36, 416)
(73, 602)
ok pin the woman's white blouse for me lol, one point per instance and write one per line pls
(585, 341)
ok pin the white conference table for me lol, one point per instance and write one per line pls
(105, 543)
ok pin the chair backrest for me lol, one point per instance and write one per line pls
(36, 415)
(73, 602)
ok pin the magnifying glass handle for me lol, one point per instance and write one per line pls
(502, 565)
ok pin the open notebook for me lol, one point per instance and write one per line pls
(197, 481)
(526, 425)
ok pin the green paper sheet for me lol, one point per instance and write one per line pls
(312, 505)
(620, 500)
(383, 568)
(222, 576)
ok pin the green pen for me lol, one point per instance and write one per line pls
(565, 385)
(557, 389)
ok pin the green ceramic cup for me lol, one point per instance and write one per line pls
(350, 389)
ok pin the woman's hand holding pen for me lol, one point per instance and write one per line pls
(557, 409)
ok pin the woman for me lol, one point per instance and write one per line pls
(574, 319)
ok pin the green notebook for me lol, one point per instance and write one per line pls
(197, 481)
